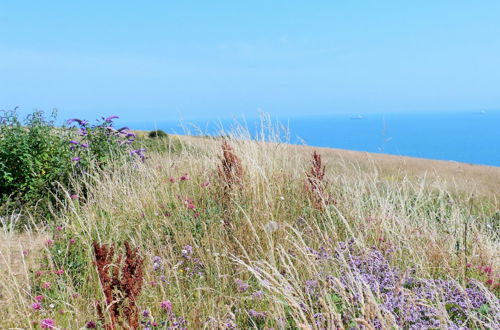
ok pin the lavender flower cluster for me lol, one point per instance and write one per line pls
(102, 132)
(409, 301)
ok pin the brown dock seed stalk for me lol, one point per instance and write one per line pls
(230, 170)
(121, 289)
(315, 182)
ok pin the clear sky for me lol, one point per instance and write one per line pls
(166, 59)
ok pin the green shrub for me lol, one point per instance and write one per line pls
(158, 134)
(33, 157)
(37, 158)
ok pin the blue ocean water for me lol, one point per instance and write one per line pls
(470, 137)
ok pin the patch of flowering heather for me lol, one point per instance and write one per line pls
(187, 251)
(258, 295)
(241, 285)
(311, 286)
(190, 265)
(256, 315)
(157, 264)
(172, 321)
(414, 302)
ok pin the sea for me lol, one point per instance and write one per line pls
(470, 137)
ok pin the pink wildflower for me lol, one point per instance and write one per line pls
(36, 306)
(59, 228)
(205, 184)
(46, 285)
(25, 253)
(74, 196)
(59, 271)
(172, 179)
(49, 242)
(47, 324)
(39, 298)
(166, 305)
(184, 177)
(72, 241)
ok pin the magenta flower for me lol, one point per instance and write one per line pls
(59, 271)
(36, 306)
(185, 177)
(73, 196)
(166, 305)
(46, 285)
(39, 298)
(47, 324)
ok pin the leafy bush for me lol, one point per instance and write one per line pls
(32, 157)
(36, 156)
(101, 144)
(158, 134)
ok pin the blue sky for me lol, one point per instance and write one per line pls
(170, 59)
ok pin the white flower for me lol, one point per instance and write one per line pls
(271, 226)
(282, 198)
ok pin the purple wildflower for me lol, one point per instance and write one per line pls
(187, 251)
(91, 325)
(76, 159)
(256, 315)
(257, 295)
(242, 286)
(110, 118)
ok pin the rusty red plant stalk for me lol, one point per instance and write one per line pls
(315, 184)
(121, 288)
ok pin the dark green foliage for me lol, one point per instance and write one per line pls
(158, 134)
(37, 158)
(33, 157)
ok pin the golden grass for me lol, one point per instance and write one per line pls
(419, 208)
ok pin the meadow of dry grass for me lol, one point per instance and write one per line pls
(261, 254)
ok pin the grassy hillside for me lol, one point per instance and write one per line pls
(256, 235)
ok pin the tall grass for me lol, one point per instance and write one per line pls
(272, 260)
